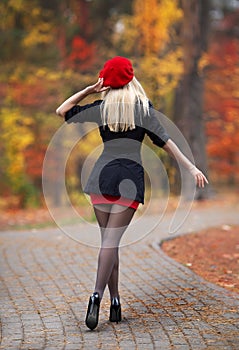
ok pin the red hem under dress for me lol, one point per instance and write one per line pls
(107, 199)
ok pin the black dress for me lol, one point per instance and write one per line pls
(119, 170)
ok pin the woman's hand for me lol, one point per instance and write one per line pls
(199, 177)
(97, 87)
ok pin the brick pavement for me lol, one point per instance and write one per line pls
(46, 280)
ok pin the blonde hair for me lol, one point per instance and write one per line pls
(118, 106)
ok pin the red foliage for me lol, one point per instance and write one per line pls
(34, 157)
(25, 94)
(33, 95)
(82, 55)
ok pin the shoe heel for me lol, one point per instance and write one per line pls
(115, 313)
(115, 310)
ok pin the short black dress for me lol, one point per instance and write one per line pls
(118, 171)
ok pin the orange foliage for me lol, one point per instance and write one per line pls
(154, 22)
(222, 107)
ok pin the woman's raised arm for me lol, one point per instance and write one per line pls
(80, 95)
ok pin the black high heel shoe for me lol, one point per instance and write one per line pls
(115, 310)
(92, 315)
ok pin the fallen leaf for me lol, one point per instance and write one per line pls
(227, 256)
(228, 285)
(226, 227)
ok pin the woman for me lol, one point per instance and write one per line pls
(116, 184)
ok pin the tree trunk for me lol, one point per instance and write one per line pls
(188, 112)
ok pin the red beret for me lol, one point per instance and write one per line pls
(117, 72)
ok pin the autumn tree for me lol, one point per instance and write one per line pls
(221, 101)
(188, 114)
(15, 137)
(32, 85)
(149, 36)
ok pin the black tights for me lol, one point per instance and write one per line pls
(113, 221)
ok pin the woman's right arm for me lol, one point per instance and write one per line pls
(172, 149)
(76, 98)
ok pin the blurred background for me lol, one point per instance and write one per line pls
(185, 54)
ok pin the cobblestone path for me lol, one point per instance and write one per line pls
(46, 280)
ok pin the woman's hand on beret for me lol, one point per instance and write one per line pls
(97, 87)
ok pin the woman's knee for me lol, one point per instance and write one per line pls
(111, 237)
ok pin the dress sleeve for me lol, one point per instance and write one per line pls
(154, 128)
(86, 113)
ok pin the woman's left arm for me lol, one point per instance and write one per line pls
(172, 149)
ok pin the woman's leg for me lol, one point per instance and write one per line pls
(118, 221)
(113, 282)
(102, 216)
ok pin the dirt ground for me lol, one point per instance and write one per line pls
(213, 254)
